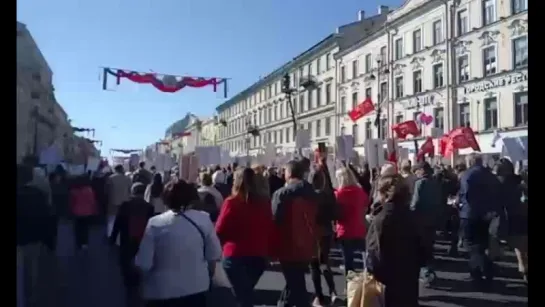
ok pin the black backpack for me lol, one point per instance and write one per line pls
(208, 205)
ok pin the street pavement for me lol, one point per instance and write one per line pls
(92, 278)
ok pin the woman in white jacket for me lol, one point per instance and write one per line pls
(154, 192)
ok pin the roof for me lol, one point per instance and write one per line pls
(330, 40)
(346, 36)
(180, 125)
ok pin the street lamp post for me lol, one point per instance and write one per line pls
(378, 107)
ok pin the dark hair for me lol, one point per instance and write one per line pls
(157, 186)
(179, 195)
(318, 180)
(142, 164)
(394, 189)
(305, 164)
(119, 168)
(206, 179)
(296, 169)
(244, 184)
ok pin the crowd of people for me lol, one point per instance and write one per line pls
(172, 235)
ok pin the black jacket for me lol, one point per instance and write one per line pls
(35, 219)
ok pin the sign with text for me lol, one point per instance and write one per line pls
(486, 85)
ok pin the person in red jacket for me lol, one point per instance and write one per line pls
(352, 204)
(83, 206)
(243, 227)
(296, 237)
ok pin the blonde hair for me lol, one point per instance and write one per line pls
(345, 177)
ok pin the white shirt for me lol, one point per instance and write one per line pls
(172, 255)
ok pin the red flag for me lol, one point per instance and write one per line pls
(443, 143)
(426, 148)
(403, 129)
(461, 138)
(362, 109)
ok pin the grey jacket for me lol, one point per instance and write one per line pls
(426, 198)
(118, 189)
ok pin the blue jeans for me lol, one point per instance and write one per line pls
(244, 273)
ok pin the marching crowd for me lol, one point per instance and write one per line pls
(173, 236)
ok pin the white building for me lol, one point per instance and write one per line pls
(478, 79)
(41, 120)
(263, 105)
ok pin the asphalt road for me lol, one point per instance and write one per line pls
(92, 279)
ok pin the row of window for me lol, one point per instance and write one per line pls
(307, 101)
(318, 128)
(315, 67)
(491, 120)
(489, 14)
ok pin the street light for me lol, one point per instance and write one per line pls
(251, 130)
(380, 70)
(307, 84)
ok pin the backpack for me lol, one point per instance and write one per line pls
(208, 205)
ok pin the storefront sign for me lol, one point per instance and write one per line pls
(486, 85)
(421, 101)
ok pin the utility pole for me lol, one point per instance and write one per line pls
(378, 104)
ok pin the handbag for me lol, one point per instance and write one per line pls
(220, 292)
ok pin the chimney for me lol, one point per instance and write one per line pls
(361, 15)
(383, 9)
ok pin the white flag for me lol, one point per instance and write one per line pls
(495, 138)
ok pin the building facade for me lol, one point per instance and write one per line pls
(314, 86)
(457, 62)
(40, 118)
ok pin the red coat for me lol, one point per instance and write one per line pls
(352, 202)
(83, 202)
(244, 228)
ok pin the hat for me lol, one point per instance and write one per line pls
(138, 188)
(422, 165)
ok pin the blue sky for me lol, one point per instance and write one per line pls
(238, 39)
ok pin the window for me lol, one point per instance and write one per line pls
(383, 91)
(439, 118)
(327, 126)
(354, 69)
(399, 48)
(417, 41)
(437, 32)
(36, 77)
(343, 105)
(301, 103)
(343, 130)
(318, 96)
(489, 11)
(309, 69)
(327, 63)
(417, 81)
(355, 134)
(490, 113)
(520, 52)
(309, 99)
(521, 109)
(318, 128)
(368, 63)
(280, 136)
(518, 6)
(438, 75)
(318, 65)
(301, 73)
(383, 55)
(275, 113)
(354, 100)
(383, 128)
(399, 87)
(34, 95)
(295, 105)
(463, 22)
(328, 93)
(489, 60)
(368, 130)
(399, 118)
(343, 74)
(464, 114)
(288, 134)
(368, 92)
(463, 68)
